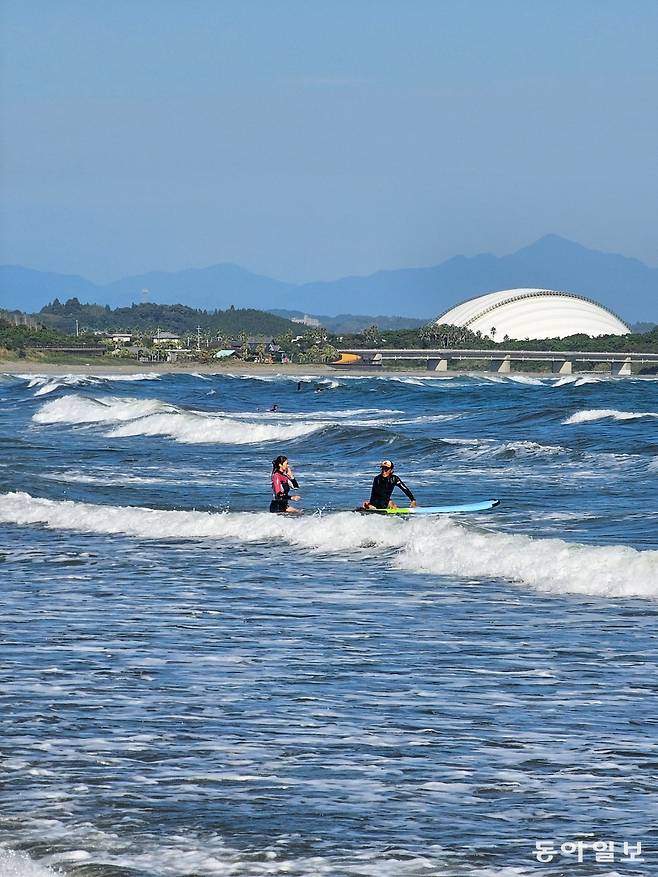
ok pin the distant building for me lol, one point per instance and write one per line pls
(533, 313)
(306, 321)
(256, 343)
(168, 339)
(120, 338)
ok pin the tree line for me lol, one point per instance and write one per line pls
(55, 326)
(148, 317)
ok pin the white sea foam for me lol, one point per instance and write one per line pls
(196, 428)
(76, 409)
(436, 546)
(20, 865)
(326, 383)
(323, 414)
(606, 413)
(473, 449)
(69, 477)
(527, 448)
(151, 417)
(47, 384)
(494, 379)
(526, 379)
(577, 380)
(183, 854)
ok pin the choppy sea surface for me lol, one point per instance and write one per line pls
(192, 686)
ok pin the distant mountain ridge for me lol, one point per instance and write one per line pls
(625, 285)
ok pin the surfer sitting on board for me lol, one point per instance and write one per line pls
(383, 486)
(282, 480)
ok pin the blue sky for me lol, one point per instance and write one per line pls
(309, 140)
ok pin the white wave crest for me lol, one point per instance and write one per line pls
(440, 547)
(151, 417)
(80, 409)
(327, 383)
(194, 428)
(523, 448)
(473, 449)
(20, 865)
(603, 413)
(526, 379)
(323, 414)
(577, 380)
(178, 855)
(47, 384)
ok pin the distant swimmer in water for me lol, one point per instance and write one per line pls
(274, 407)
(383, 486)
(282, 480)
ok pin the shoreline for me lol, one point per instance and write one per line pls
(34, 367)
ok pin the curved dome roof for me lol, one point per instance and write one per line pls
(534, 313)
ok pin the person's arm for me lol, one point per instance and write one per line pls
(403, 487)
(293, 482)
(290, 475)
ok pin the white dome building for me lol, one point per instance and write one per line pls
(533, 313)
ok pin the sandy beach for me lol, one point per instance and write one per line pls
(103, 367)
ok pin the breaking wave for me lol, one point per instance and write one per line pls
(14, 864)
(151, 417)
(47, 384)
(605, 413)
(192, 428)
(211, 856)
(439, 546)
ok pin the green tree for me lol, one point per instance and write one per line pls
(244, 345)
(372, 336)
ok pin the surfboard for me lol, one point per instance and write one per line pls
(482, 506)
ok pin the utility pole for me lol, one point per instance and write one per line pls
(77, 329)
(198, 337)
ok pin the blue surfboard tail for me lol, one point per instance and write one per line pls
(481, 506)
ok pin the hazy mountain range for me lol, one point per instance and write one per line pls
(626, 285)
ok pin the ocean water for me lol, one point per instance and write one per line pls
(192, 686)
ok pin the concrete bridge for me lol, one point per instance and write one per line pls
(560, 361)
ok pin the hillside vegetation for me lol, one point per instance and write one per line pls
(148, 317)
(54, 324)
(443, 335)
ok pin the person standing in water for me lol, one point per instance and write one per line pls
(383, 486)
(282, 480)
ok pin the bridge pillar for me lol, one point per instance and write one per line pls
(502, 366)
(621, 367)
(437, 365)
(562, 368)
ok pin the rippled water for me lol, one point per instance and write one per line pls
(192, 686)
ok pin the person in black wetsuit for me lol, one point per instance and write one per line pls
(383, 486)
(282, 480)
